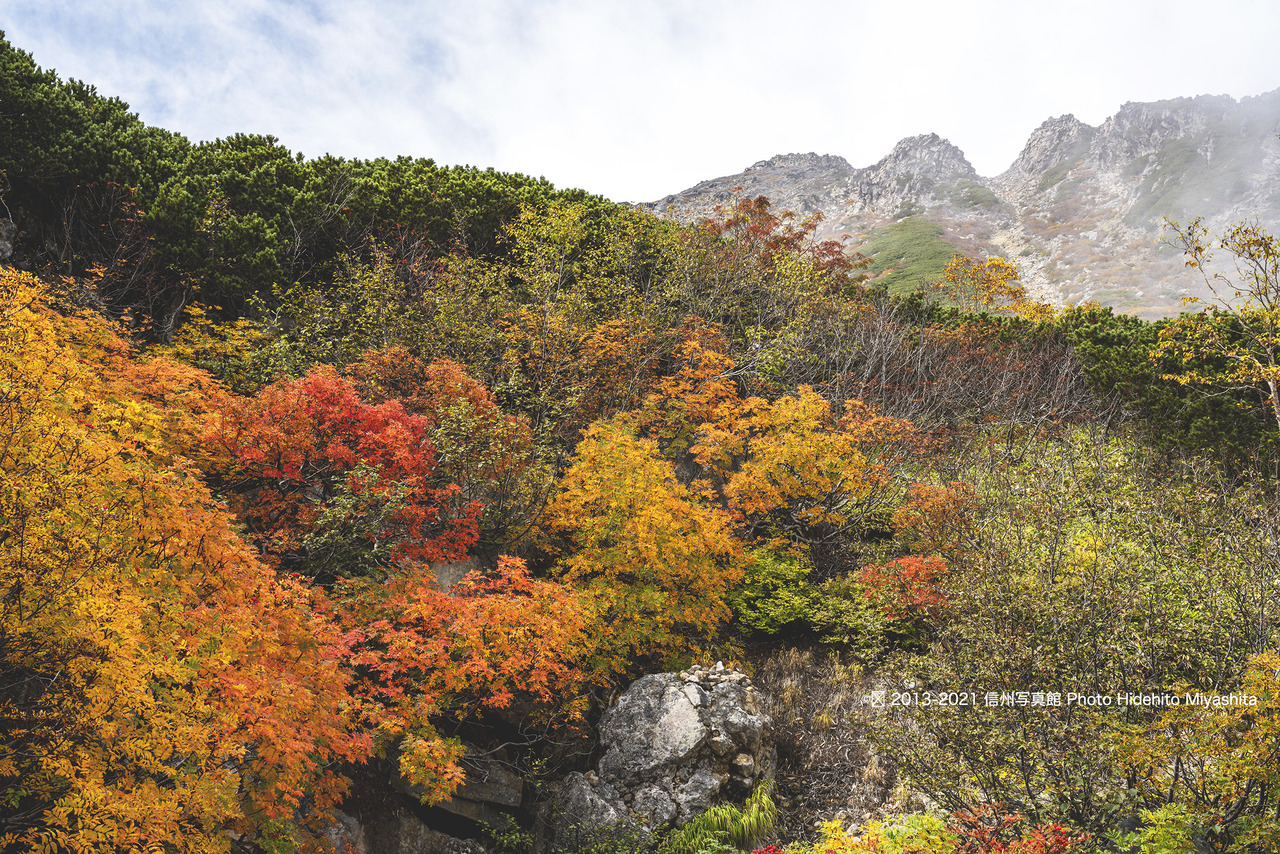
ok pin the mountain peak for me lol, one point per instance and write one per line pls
(1080, 207)
(811, 160)
(928, 155)
(1055, 141)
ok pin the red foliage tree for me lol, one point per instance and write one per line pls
(489, 455)
(907, 588)
(338, 486)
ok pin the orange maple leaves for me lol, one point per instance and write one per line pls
(161, 684)
(168, 687)
(421, 654)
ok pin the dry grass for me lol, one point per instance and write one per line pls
(825, 769)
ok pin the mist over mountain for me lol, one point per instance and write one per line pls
(1080, 210)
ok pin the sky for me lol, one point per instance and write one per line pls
(636, 99)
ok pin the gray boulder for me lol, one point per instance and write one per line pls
(673, 745)
(653, 728)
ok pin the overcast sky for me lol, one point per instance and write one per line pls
(635, 99)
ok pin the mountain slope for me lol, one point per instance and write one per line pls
(1080, 209)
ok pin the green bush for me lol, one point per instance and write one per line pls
(1168, 830)
(775, 594)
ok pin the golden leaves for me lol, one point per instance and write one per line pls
(149, 644)
(643, 545)
(990, 284)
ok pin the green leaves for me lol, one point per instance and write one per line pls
(1077, 570)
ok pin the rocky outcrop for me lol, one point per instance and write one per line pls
(673, 745)
(8, 232)
(1059, 140)
(921, 170)
(804, 183)
(1143, 129)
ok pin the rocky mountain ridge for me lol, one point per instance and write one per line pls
(1080, 209)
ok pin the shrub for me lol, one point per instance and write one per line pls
(776, 594)
(913, 833)
(739, 826)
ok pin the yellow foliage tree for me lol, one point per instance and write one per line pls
(1234, 343)
(790, 466)
(990, 284)
(656, 563)
(1219, 756)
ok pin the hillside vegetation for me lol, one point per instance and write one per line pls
(252, 405)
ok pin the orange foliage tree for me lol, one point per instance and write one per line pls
(907, 592)
(787, 466)
(158, 685)
(566, 371)
(701, 393)
(425, 658)
(806, 473)
(939, 519)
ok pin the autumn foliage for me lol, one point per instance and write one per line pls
(422, 654)
(989, 829)
(908, 587)
(160, 685)
(990, 284)
(638, 442)
(655, 562)
(310, 451)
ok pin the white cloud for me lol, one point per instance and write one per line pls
(637, 99)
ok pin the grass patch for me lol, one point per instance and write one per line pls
(970, 194)
(907, 253)
(1053, 175)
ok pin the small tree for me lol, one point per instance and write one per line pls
(992, 284)
(1233, 344)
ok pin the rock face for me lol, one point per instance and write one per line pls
(1057, 140)
(921, 170)
(401, 832)
(1080, 209)
(7, 232)
(491, 789)
(1142, 129)
(385, 815)
(674, 744)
